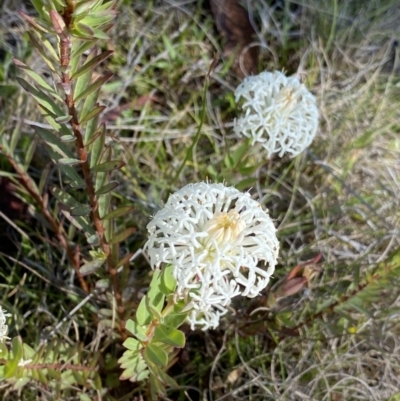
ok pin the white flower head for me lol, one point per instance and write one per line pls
(215, 237)
(3, 326)
(278, 111)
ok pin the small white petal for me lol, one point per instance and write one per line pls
(215, 237)
(3, 326)
(278, 112)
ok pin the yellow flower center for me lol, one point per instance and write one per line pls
(225, 227)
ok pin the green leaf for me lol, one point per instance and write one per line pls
(58, 23)
(163, 377)
(10, 368)
(169, 335)
(92, 113)
(108, 166)
(62, 129)
(67, 138)
(66, 199)
(131, 343)
(16, 347)
(68, 161)
(154, 296)
(37, 78)
(99, 19)
(38, 4)
(3, 351)
(156, 355)
(41, 98)
(103, 284)
(175, 319)
(93, 87)
(122, 235)
(98, 144)
(84, 6)
(229, 161)
(81, 211)
(54, 142)
(91, 267)
(137, 330)
(107, 188)
(83, 81)
(91, 64)
(78, 48)
(121, 211)
(168, 282)
(86, 31)
(63, 119)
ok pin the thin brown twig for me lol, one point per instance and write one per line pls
(65, 52)
(26, 181)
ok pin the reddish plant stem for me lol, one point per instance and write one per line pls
(65, 50)
(55, 225)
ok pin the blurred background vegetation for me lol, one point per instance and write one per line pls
(334, 337)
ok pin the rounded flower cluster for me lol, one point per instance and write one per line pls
(278, 112)
(215, 237)
(3, 326)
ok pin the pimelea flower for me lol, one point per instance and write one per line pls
(3, 326)
(278, 112)
(215, 237)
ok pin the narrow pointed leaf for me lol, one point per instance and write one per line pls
(84, 6)
(121, 211)
(107, 166)
(64, 198)
(41, 97)
(51, 140)
(123, 235)
(83, 81)
(70, 172)
(107, 188)
(98, 145)
(166, 379)
(32, 21)
(67, 138)
(58, 23)
(93, 113)
(100, 34)
(94, 137)
(124, 260)
(99, 19)
(67, 161)
(37, 78)
(169, 335)
(62, 129)
(63, 119)
(94, 86)
(101, 179)
(81, 211)
(90, 65)
(78, 48)
(79, 222)
(156, 355)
